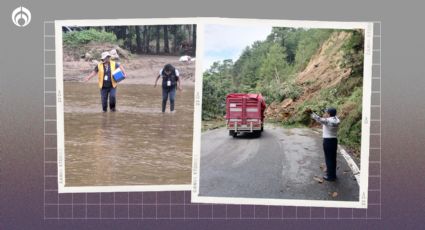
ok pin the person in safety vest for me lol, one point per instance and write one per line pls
(330, 123)
(170, 81)
(106, 82)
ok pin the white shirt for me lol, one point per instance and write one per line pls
(177, 72)
(330, 125)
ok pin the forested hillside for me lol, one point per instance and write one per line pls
(298, 71)
(152, 40)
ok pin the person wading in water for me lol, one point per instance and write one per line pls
(107, 84)
(170, 80)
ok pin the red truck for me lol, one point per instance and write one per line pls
(245, 113)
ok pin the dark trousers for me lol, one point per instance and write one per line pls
(330, 146)
(168, 92)
(104, 93)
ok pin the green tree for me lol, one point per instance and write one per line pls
(217, 83)
(166, 44)
(274, 66)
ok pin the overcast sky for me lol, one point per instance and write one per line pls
(228, 41)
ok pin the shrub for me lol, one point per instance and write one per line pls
(291, 90)
(317, 105)
(350, 127)
(353, 53)
(83, 37)
(345, 88)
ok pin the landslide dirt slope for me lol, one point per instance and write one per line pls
(323, 71)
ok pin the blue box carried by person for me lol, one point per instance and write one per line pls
(118, 75)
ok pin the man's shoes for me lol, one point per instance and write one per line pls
(329, 178)
(113, 110)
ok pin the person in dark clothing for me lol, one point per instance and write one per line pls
(170, 80)
(330, 123)
(106, 82)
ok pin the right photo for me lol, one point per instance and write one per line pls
(284, 114)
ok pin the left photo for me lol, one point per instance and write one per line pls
(125, 96)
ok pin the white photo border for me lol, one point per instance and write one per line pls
(366, 112)
(62, 188)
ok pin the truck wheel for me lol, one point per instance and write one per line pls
(262, 128)
(232, 133)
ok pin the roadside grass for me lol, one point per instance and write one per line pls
(212, 124)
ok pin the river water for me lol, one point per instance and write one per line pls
(137, 145)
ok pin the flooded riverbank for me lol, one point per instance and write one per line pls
(137, 145)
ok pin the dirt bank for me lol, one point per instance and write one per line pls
(322, 72)
(141, 69)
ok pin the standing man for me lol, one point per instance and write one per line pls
(330, 125)
(170, 80)
(107, 84)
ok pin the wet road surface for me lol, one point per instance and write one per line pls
(137, 145)
(282, 163)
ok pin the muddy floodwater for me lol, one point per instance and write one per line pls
(137, 145)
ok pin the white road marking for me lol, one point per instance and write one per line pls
(353, 166)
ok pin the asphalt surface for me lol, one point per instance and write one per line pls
(282, 163)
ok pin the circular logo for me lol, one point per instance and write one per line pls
(21, 16)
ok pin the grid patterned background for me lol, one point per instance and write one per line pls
(177, 205)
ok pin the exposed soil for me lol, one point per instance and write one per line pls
(323, 71)
(141, 69)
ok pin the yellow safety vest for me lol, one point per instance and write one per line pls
(101, 74)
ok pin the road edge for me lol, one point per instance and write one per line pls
(351, 163)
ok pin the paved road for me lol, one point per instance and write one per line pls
(282, 163)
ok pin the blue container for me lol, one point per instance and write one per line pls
(118, 75)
